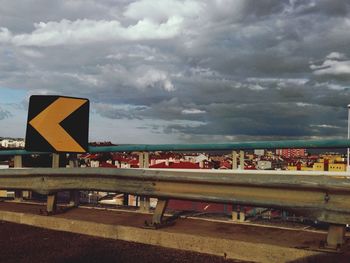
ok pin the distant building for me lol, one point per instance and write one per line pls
(5, 143)
(264, 165)
(259, 152)
(11, 143)
(94, 163)
(195, 158)
(337, 167)
(291, 153)
(319, 166)
(181, 165)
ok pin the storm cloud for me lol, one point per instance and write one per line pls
(187, 70)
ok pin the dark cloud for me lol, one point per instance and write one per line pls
(326, 7)
(218, 70)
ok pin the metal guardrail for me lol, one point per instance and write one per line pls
(337, 143)
(324, 198)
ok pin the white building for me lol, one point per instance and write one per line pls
(196, 158)
(259, 152)
(5, 143)
(9, 143)
(264, 165)
(94, 163)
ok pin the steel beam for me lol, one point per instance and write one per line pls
(322, 197)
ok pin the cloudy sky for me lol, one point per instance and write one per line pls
(181, 71)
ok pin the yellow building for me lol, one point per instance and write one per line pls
(339, 159)
(337, 167)
(305, 168)
(292, 167)
(250, 156)
(332, 158)
(318, 166)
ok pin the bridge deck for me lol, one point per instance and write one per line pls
(233, 240)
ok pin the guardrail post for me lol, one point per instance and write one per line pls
(74, 194)
(237, 214)
(158, 216)
(73, 160)
(234, 160)
(241, 167)
(52, 198)
(55, 160)
(144, 163)
(159, 212)
(335, 237)
(234, 214)
(17, 163)
(241, 160)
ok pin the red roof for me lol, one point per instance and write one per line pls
(121, 159)
(90, 156)
(159, 165)
(184, 165)
(107, 165)
(226, 164)
(250, 167)
(181, 165)
(133, 162)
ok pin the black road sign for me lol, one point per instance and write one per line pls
(57, 124)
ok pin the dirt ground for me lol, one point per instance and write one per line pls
(24, 244)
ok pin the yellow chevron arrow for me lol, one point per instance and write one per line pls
(47, 123)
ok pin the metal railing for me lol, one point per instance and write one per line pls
(325, 198)
(310, 144)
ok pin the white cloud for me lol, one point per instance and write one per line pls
(332, 67)
(83, 78)
(193, 111)
(302, 104)
(89, 31)
(279, 81)
(324, 126)
(118, 111)
(39, 92)
(138, 52)
(334, 64)
(255, 87)
(162, 10)
(335, 87)
(5, 35)
(155, 78)
(31, 53)
(336, 55)
(204, 72)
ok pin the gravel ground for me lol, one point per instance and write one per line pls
(24, 244)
